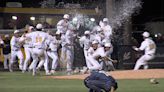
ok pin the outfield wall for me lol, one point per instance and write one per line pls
(125, 55)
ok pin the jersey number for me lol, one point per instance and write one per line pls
(38, 39)
(152, 46)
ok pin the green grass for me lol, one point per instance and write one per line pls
(18, 82)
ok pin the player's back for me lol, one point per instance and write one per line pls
(15, 43)
(62, 25)
(98, 52)
(151, 46)
(38, 38)
(99, 76)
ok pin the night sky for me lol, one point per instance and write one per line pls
(151, 10)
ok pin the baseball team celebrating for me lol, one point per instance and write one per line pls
(40, 46)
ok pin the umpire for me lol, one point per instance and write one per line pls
(99, 82)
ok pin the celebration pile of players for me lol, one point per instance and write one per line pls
(41, 46)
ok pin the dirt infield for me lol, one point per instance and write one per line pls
(124, 74)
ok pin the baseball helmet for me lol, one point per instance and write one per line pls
(105, 20)
(95, 42)
(146, 34)
(108, 45)
(58, 32)
(6, 35)
(66, 16)
(86, 32)
(16, 31)
(39, 26)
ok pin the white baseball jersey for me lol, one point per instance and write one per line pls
(99, 37)
(149, 46)
(92, 63)
(94, 30)
(85, 42)
(105, 40)
(107, 53)
(15, 43)
(98, 52)
(69, 38)
(54, 44)
(38, 39)
(107, 31)
(62, 26)
(27, 42)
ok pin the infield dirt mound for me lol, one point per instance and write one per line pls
(123, 74)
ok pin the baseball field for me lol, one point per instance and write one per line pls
(19, 82)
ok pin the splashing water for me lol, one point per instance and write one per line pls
(123, 10)
(82, 20)
(48, 4)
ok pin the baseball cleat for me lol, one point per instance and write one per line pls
(52, 71)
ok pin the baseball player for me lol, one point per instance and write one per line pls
(69, 45)
(16, 51)
(27, 48)
(99, 36)
(38, 38)
(100, 82)
(108, 63)
(62, 26)
(107, 30)
(149, 46)
(94, 52)
(85, 42)
(52, 52)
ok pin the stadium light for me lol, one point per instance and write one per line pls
(14, 17)
(32, 18)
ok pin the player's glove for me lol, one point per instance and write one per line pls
(97, 57)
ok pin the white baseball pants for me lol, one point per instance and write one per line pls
(28, 53)
(69, 57)
(15, 54)
(143, 60)
(86, 59)
(94, 63)
(6, 57)
(38, 54)
(63, 54)
(54, 56)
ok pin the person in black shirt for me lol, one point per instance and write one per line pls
(100, 82)
(6, 51)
